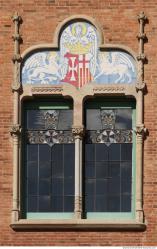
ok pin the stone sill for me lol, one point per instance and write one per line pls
(80, 224)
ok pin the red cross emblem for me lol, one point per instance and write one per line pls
(78, 70)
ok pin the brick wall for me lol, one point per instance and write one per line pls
(118, 18)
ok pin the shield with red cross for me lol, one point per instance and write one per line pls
(78, 73)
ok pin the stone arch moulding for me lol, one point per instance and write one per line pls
(78, 64)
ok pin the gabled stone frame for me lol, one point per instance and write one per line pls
(66, 90)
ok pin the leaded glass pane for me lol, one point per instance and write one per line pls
(98, 119)
(108, 160)
(49, 119)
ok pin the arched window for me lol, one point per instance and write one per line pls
(77, 164)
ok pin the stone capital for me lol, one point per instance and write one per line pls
(15, 130)
(141, 130)
(78, 131)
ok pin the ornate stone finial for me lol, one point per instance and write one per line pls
(16, 17)
(78, 131)
(15, 130)
(142, 16)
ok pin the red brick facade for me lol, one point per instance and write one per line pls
(119, 23)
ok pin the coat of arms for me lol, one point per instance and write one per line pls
(78, 53)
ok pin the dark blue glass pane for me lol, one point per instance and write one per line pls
(44, 169)
(126, 152)
(89, 169)
(90, 186)
(65, 119)
(32, 186)
(101, 203)
(89, 203)
(44, 153)
(89, 152)
(93, 120)
(68, 186)
(101, 186)
(32, 169)
(126, 203)
(101, 169)
(114, 187)
(57, 186)
(57, 204)
(57, 153)
(113, 204)
(126, 186)
(32, 204)
(57, 169)
(68, 204)
(126, 170)
(114, 169)
(35, 119)
(123, 119)
(101, 152)
(45, 203)
(57, 161)
(32, 152)
(44, 186)
(69, 160)
(114, 152)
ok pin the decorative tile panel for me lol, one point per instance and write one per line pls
(79, 61)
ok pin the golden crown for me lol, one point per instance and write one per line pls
(78, 48)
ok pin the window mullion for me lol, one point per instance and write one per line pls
(78, 134)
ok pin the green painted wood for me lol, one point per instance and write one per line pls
(43, 215)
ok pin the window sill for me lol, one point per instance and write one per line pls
(80, 224)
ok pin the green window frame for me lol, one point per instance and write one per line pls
(117, 103)
(66, 105)
(38, 105)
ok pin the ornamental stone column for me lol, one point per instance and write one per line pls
(140, 129)
(78, 132)
(16, 129)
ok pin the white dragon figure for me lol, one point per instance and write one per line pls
(116, 63)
